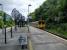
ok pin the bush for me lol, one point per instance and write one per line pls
(60, 29)
(1, 23)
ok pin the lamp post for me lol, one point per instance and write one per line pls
(11, 32)
(4, 20)
(28, 17)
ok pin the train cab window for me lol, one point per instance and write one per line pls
(42, 22)
(39, 22)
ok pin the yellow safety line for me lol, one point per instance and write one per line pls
(30, 45)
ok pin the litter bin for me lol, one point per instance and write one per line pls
(23, 42)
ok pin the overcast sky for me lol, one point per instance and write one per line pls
(20, 5)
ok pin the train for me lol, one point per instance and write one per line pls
(41, 24)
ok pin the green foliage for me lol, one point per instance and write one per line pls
(1, 13)
(8, 20)
(10, 23)
(50, 10)
(1, 23)
(59, 29)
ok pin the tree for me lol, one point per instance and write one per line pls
(52, 10)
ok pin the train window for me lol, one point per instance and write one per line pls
(43, 23)
(39, 22)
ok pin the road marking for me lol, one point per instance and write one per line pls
(30, 45)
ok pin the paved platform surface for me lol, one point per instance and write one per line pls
(13, 43)
(42, 40)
